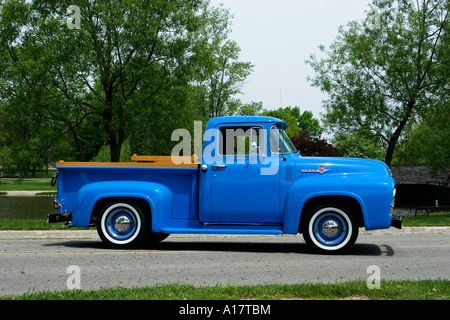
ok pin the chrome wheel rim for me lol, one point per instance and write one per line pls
(330, 229)
(121, 223)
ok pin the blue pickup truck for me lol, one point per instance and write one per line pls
(249, 179)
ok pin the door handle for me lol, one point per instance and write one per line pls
(219, 166)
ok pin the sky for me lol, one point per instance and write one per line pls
(277, 36)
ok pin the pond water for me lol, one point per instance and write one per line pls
(26, 207)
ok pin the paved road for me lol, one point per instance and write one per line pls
(37, 261)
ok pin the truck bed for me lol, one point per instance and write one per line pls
(181, 179)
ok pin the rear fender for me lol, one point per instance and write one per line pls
(158, 196)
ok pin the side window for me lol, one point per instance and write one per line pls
(240, 140)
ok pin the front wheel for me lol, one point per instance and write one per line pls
(329, 229)
(122, 225)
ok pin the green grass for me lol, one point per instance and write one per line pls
(435, 219)
(28, 224)
(38, 183)
(390, 290)
(35, 184)
(32, 224)
(47, 193)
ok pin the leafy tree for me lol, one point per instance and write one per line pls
(359, 145)
(112, 77)
(248, 109)
(223, 78)
(296, 120)
(430, 140)
(380, 78)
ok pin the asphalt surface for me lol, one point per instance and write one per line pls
(32, 261)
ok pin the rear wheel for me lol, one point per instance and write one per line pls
(329, 228)
(122, 225)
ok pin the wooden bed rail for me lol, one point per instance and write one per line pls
(141, 161)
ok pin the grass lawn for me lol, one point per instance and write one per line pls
(358, 290)
(41, 182)
(435, 219)
(32, 224)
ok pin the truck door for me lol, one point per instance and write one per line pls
(243, 189)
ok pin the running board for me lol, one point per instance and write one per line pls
(223, 228)
(250, 224)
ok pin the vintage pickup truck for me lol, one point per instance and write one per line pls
(250, 179)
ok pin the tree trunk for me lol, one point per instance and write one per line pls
(78, 144)
(115, 142)
(391, 148)
(116, 137)
(115, 149)
(394, 139)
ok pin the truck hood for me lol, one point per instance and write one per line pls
(325, 165)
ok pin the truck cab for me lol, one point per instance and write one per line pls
(243, 176)
(249, 179)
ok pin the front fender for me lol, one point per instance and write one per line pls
(158, 196)
(374, 195)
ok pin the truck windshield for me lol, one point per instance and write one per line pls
(280, 142)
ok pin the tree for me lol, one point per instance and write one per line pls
(117, 65)
(296, 120)
(249, 109)
(223, 78)
(359, 145)
(430, 140)
(23, 148)
(380, 78)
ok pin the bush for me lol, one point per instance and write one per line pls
(314, 147)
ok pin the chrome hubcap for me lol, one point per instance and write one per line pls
(329, 228)
(122, 223)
